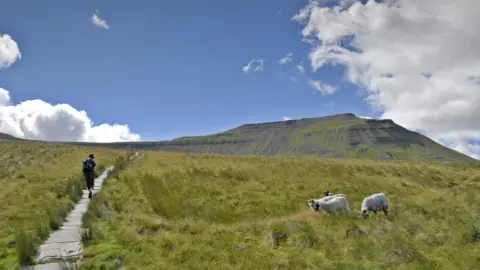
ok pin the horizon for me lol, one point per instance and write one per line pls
(254, 123)
(110, 71)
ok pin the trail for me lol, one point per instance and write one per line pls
(66, 242)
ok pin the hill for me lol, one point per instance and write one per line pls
(8, 137)
(337, 136)
(40, 182)
(190, 211)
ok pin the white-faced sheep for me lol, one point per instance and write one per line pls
(375, 202)
(333, 205)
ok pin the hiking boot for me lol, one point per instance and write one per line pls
(90, 194)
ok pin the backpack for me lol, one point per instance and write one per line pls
(87, 165)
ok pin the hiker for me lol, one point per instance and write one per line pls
(88, 168)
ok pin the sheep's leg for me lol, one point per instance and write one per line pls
(375, 211)
(385, 210)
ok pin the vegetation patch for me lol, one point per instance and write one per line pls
(177, 211)
(40, 184)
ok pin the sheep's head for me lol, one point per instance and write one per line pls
(365, 212)
(327, 193)
(314, 205)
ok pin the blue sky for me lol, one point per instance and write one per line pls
(167, 68)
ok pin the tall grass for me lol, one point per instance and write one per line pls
(43, 182)
(54, 217)
(174, 211)
(98, 204)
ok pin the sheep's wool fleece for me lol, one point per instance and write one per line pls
(334, 204)
(329, 197)
(374, 202)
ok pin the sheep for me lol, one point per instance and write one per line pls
(332, 205)
(375, 202)
(329, 195)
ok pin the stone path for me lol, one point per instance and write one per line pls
(66, 242)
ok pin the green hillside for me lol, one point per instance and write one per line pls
(192, 211)
(337, 136)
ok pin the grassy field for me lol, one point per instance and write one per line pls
(180, 211)
(39, 184)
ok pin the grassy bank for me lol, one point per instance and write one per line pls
(178, 211)
(40, 183)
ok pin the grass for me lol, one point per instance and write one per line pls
(179, 211)
(40, 184)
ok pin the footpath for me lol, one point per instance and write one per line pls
(64, 249)
(64, 246)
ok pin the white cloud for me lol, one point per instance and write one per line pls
(300, 67)
(98, 22)
(9, 51)
(364, 117)
(39, 120)
(417, 61)
(286, 118)
(325, 89)
(463, 146)
(286, 59)
(254, 65)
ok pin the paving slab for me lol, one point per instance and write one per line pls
(66, 235)
(73, 219)
(53, 266)
(59, 251)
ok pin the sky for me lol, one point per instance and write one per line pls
(105, 71)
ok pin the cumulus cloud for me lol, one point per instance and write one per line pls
(98, 22)
(39, 120)
(286, 59)
(254, 65)
(286, 118)
(9, 51)
(325, 89)
(417, 61)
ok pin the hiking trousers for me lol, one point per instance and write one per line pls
(90, 179)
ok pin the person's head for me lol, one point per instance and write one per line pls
(91, 156)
